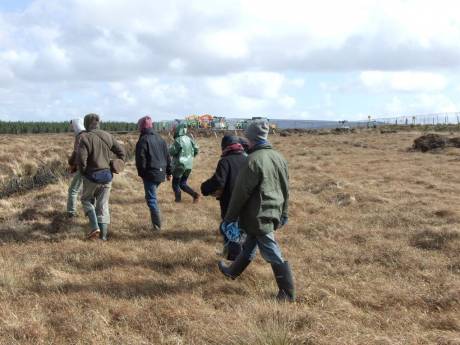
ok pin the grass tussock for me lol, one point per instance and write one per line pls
(372, 239)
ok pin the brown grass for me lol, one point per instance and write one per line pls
(373, 240)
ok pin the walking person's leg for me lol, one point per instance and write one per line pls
(271, 252)
(72, 194)
(151, 199)
(102, 208)
(186, 188)
(87, 200)
(242, 261)
(176, 188)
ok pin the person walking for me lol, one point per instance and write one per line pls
(93, 159)
(260, 205)
(182, 151)
(221, 184)
(76, 182)
(153, 164)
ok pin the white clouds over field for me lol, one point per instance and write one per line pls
(62, 58)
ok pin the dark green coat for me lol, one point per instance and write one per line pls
(261, 192)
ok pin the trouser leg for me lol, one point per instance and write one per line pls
(185, 187)
(269, 249)
(72, 195)
(152, 202)
(87, 199)
(176, 188)
(102, 195)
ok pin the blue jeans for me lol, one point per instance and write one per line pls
(268, 247)
(150, 189)
(180, 183)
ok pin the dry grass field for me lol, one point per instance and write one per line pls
(373, 240)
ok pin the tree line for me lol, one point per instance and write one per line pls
(20, 127)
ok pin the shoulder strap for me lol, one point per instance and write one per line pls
(105, 142)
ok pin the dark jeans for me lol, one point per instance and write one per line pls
(151, 195)
(180, 183)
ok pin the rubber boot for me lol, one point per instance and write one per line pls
(156, 221)
(236, 268)
(234, 249)
(285, 282)
(104, 230)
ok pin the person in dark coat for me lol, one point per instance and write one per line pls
(222, 182)
(153, 165)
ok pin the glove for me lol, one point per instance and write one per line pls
(283, 221)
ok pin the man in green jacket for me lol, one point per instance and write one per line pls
(260, 205)
(182, 151)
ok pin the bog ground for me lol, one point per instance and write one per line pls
(373, 240)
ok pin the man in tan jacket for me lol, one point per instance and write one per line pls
(93, 159)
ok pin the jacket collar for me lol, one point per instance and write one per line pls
(262, 146)
(147, 131)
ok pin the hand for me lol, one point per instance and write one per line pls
(169, 177)
(283, 221)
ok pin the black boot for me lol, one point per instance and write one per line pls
(178, 196)
(156, 221)
(104, 231)
(236, 268)
(234, 249)
(283, 276)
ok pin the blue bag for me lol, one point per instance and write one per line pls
(231, 231)
(100, 176)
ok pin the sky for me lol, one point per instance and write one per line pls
(293, 59)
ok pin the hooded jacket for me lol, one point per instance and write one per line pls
(182, 151)
(261, 194)
(78, 128)
(152, 157)
(95, 147)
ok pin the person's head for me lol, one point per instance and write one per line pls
(245, 143)
(257, 131)
(181, 129)
(91, 121)
(77, 125)
(144, 123)
(228, 140)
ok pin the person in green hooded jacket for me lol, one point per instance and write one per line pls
(182, 151)
(259, 206)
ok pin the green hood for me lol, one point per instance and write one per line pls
(180, 130)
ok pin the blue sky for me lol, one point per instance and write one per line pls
(293, 59)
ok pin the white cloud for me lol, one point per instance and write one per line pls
(178, 56)
(403, 81)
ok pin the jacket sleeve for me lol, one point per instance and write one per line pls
(217, 181)
(168, 159)
(196, 148)
(175, 148)
(141, 159)
(285, 189)
(118, 149)
(248, 179)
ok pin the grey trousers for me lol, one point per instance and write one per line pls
(72, 194)
(100, 193)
